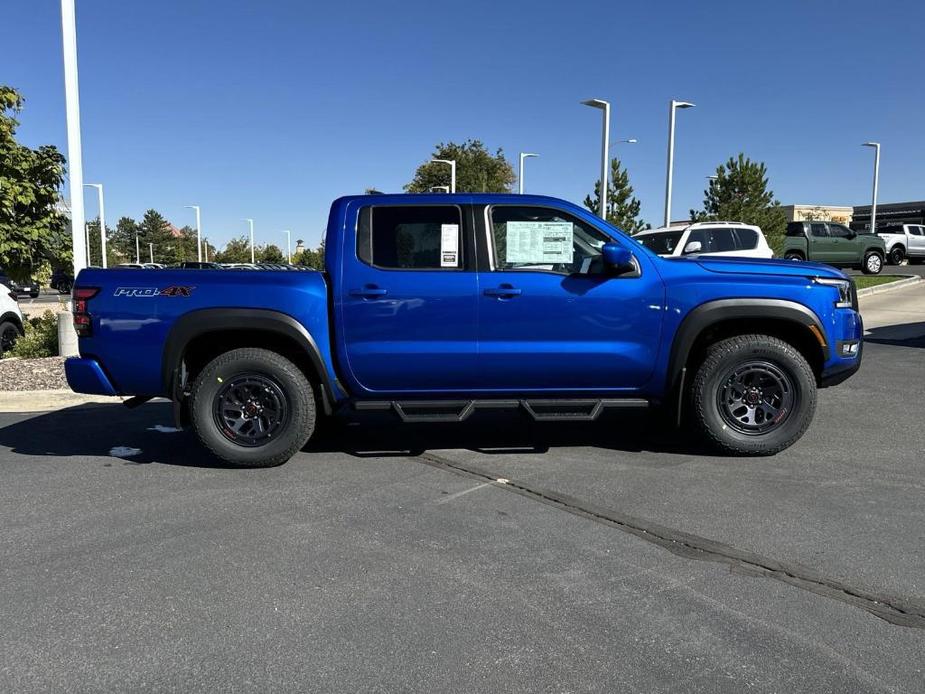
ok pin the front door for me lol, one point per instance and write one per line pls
(550, 319)
(848, 245)
(916, 241)
(408, 300)
(822, 247)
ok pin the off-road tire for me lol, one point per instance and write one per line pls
(794, 255)
(708, 382)
(871, 267)
(897, 255)
(294, 387)
(9, 333)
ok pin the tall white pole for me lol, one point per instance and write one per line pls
(675, 105)
(102, 208)
(250, 223)
(288, 234)
(151, 251)
(72, 110)
(137, 248)
(520, 173)
(604, 106)
(198, 232)
(873, 205)
(452, 163)
(205, 250)
(87, 245)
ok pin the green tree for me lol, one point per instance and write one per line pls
(113, 257)
(122, 240)
(740, 193)
(270, 253)
(477, 170)
(32, 230)
(155, 229)
(311, 258)
(622, 207)
(237, 250)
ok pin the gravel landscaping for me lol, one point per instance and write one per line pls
(32, 374)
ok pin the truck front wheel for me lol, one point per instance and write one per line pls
(753, 395)
(897, 255)
(252, 408)
(873, 263)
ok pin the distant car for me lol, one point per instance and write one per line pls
(131, 266)
(11, 323)
(834, 244)
(903, 241)
(240, 266)
(708, 238)
(195, 265)
(29, 288)
(62, 280)
(153, 266)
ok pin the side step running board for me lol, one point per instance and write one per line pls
(551, 410)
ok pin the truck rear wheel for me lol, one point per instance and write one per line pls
(753, 395)
(252, 408)
(793, 255)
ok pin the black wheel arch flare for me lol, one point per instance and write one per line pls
(197, 323)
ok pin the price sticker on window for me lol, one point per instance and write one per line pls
(449, 245)
(539, 242)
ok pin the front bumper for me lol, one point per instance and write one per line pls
(839, 368)
(87, 376)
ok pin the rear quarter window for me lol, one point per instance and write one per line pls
(748, 239)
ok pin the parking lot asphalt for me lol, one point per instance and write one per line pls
(609, 557)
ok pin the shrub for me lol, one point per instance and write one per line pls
(40, 340)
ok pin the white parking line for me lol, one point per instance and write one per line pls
(463, 492)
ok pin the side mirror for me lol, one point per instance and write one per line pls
(693, 247)
(617, 259)
(851, 236)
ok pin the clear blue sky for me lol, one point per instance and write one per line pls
(272, 109)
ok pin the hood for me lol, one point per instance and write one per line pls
(773, 266)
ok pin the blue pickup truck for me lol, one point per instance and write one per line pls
(434, 306)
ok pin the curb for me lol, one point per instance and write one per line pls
(49, 400)
(907, 281)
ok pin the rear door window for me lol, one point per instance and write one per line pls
(748, 239)
(723, 240)
(411, 237)
(818, 230)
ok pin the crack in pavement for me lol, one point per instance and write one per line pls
(899, 611)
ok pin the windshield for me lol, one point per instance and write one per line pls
(663, 242)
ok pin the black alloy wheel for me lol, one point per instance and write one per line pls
(756, 398)
(250, 409)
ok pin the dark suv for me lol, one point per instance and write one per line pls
(834, 244)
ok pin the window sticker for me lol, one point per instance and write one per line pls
(539, 242)
(449, 245)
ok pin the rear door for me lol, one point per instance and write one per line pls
(407, 300)
(549, 318)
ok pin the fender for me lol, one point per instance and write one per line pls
(195, 323)
(713, 312)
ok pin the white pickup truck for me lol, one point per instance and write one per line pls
(903, 241)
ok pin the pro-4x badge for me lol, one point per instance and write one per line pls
(173, 290)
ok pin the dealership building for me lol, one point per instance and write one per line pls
(891, 213)
(809, 213)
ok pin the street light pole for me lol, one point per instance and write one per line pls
(520, 173)
(288, 234)
(72, 110)
(604, 106)
(671, 113)
(198, 232)
(137, 247)
(151, 251)
(452, 163)
(87, 243)
(99, 193)
(873, 206)
(250, 223)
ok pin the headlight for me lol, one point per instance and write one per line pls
(843, 287)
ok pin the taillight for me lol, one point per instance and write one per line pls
(82, 322)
